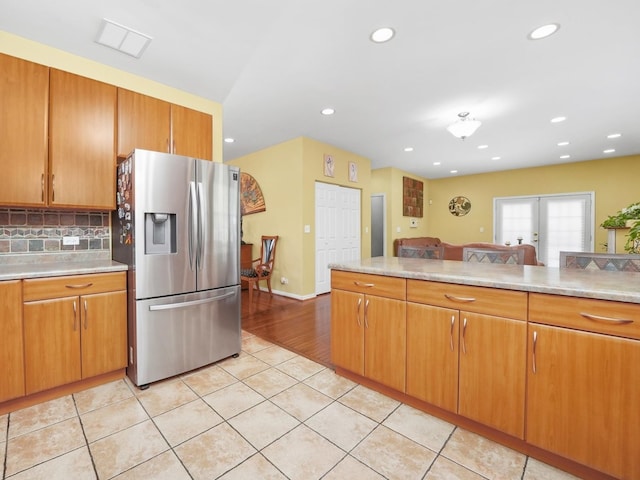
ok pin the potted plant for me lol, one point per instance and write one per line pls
(627, 217)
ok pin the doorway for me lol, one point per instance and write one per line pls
(551, 223)
(337, 229)
(378, 225)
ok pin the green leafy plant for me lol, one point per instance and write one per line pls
(619, 220)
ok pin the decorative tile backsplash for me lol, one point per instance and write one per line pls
(41, 231)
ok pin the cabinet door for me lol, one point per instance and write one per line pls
(24, 99)
(347, 334)
(82, 142)
(191, 133)
(52, 343)
(582, 398)
(385, 341)
(143, 122)
(432, 355)
(492, 371)
(11, 351)
(104, 333)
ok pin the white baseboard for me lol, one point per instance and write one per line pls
(288, 294)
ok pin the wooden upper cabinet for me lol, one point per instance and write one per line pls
(24, 98)
(143, 122)
(153, 124)
(191, 133)
(82, 157)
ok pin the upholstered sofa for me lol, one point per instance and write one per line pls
(454, 251)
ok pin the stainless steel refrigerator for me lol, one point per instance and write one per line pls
(177, 226)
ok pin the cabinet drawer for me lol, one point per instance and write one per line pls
(57, 287)
(600, 316)
(390, 287)
(489, 301)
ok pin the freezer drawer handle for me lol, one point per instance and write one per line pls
(171, 306)
(86, 285)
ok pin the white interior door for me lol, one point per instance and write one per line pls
(552, 223)
(338, 212)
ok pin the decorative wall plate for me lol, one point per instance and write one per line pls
(459, 206)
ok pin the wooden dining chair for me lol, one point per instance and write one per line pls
(261, 267)
(488, 255)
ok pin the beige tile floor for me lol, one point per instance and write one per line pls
(269, 414)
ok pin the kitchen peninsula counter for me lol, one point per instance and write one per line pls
(599, 284)
(541, 359)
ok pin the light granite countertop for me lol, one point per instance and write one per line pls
(599, 284)
(16, 267)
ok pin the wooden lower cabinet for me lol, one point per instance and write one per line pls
(432, 355)
(368, 332)
(11, 349)
(582, 398)
(73, 337)
(455, 362)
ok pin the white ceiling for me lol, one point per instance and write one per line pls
(275, 64)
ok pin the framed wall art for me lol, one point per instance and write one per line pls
(412, 197)
(329, 165)
(353, 172)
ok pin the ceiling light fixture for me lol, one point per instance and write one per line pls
(614, 135)
(229, 140)
(408, 149)
(563, 144)
(544, 31)
(482, 147)
(496, 158)
(328, 111)
(463, 127)
(558, 119)
(609, 150)
(382, 35)
(123, 39)
(564, 157)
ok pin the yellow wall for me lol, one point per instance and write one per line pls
(287, 173)
(389, 182)
(615, 182)
(51, 57)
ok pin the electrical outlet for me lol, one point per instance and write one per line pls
(70, 240)
(284, 280)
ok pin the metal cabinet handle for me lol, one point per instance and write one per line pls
(361, 284)
(464, 331)
(453, 322)
(86, 316)
(598, 318)
(42, 187)
(533, 351)
(85, 285)
(366, 311)
(358, 312)
(75, 316)
(453, 298)
(53, 187)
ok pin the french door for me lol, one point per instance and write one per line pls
(552, 223)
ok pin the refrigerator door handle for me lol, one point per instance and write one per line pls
(193, 226)
(171, 306)
(200, 254)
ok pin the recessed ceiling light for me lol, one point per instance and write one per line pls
(408, 149)
(558, 119)
(453, 171)
(382, 35)
(496, 158)
(614, 135)
(328, 111)
(482, 147)
(609, 150)
(436, 163)
(229, 140)
(544, 31)
(564, 157)
(563, 144)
